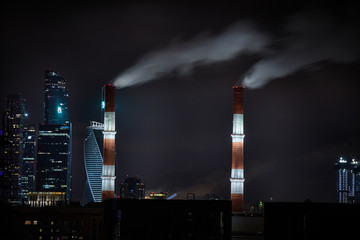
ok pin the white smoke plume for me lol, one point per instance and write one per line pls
(239, 38)
(313, 37)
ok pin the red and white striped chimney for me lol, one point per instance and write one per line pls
(108, 171)
(237, 169)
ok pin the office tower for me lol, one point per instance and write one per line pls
(53, 168)
(237, 169)
(348, 181)
(12, 148)
(93, 149)
(108, 171)
(53, 165)
(132, 188)
(56, 99)
(28, 162)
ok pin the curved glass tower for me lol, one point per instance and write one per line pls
(93, 149)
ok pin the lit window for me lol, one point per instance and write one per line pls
(40, 230)
(27, 222)
(35, 222)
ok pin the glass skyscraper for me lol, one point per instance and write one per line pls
(53, 165)
(53, 170)
(348, 181)
(27, 164)
(12, 148)
(93, 160)
(56, 99)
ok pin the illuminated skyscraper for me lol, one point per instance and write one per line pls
(53, 169)
(56, 99)
(93, 149)
(12, 148)
(348, 181)
(53, 165)
(27, 163)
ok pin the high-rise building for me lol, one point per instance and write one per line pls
(348, 181)
(53, 164)
(56, 99)
(93, 149)
(12, 147)
(53, 168)
(28, 162)
(132, 188)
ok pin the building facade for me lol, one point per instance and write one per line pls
(27, 174)
(53, 168)
(12, 147)
(53, 165)
(93, 162)
(56, 99)
(348, 181)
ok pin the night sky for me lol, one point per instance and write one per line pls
(174, 131)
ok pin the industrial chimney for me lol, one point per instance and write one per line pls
(108, 171)
(237, 169)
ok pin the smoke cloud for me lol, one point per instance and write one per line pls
(313, 37)
(239, 38)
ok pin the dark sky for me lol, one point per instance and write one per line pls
(175, 131)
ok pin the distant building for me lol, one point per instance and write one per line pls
(28, 162)
(93, 149)
(160, 195)
(348, 181)
(53, 165)
(12, 148)
(132, 188)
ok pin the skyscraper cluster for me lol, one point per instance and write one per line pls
(35, 166)
(348, 180)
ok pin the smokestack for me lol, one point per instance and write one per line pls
(108, 171)
(237, 168)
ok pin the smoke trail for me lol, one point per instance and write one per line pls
(239, 38)
(314, 37)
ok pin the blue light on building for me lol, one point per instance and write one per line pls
(53, 169)
(56, 99)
